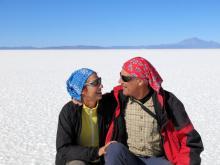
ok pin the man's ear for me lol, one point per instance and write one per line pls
(142, 82)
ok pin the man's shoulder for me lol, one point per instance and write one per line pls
(176, 111)
(172, 102)
(169, 96)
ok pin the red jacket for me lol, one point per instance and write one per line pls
(181, 142)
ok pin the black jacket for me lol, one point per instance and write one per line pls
(69, 129)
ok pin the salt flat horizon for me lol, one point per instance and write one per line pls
(32, 87)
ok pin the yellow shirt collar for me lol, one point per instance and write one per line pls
(90, 110)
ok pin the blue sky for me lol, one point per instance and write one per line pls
(107, 22)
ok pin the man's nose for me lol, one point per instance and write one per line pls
(120, 81)
(100, 86)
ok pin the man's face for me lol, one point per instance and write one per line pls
(128, 83)
(93, 88)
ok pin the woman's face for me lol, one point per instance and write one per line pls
(93, 88)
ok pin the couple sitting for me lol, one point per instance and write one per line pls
(137, 123)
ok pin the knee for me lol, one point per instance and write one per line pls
(76, 162)
(115, 154)
(116, 149)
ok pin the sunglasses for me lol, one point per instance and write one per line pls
(126, 78)
(95, 83)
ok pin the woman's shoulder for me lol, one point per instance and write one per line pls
(69, 108)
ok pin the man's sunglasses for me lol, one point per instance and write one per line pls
(126, 78)
(95, 83)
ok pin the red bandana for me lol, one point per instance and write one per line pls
(141, 68)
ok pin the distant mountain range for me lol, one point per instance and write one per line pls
(191, 43)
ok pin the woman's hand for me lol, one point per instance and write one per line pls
(103, 149)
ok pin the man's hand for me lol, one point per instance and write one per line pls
(76, 102)
(103, 149)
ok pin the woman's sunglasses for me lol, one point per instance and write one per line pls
(126, 78)
(95, 83)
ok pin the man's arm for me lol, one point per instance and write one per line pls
(190, 142)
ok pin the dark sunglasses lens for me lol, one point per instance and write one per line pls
(97, 82)
(126, 78)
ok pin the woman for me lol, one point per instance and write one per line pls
(81, 128)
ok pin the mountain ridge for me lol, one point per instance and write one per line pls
(190, 43)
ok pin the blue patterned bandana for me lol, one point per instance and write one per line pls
(76, 82)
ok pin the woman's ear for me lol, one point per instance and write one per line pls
(84, 91)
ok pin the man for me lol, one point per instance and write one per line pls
(81, 128)
(150, 123)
